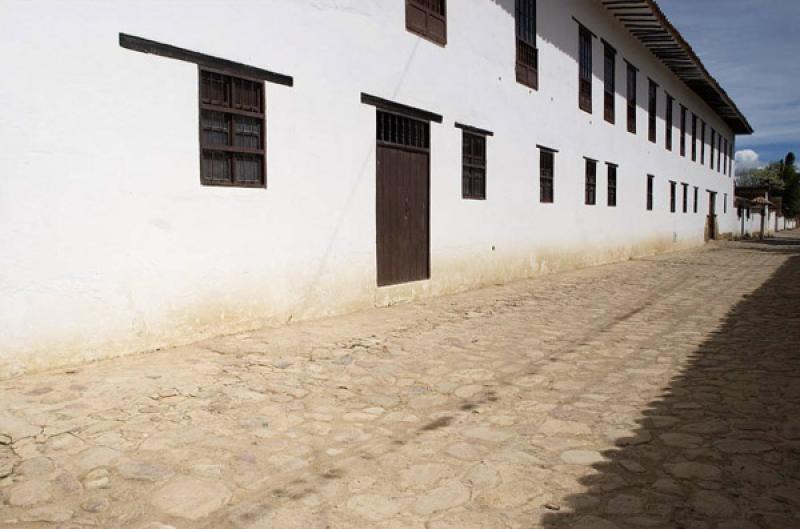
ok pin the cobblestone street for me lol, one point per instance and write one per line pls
(660, 393)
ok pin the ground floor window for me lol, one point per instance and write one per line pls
(546, 174)
(591, 182)
(473, 175)
(612, 185)
(696, 197)
(685, 198)
(650, 179)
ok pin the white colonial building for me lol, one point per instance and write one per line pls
(173, 170)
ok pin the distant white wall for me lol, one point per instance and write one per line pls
(109, 244)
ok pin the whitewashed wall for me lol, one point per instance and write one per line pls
(109, 245)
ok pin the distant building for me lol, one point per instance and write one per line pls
(173, 170)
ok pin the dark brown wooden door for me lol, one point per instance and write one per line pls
(402, 202)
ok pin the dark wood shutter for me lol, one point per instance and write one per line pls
(713, 145)
(232, 130)
(669, 122)
(473, 170)
(612, 185)
(673, 191)
(685, 197)
(428, 18)
(591, 182)
(527, 53)
(609, 83)
(702, 143)
(585, 69)
(650, 179)
(694, 137)
(652, 109)
(683, 130)
(546, 176)
(631, 77)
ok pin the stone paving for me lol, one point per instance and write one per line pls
(657, 393)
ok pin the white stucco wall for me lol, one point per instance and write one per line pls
(109, 244)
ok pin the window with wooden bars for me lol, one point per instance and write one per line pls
(685, 197)
(612, 185)
(527, 53)
(547, 162)
(585, 69)
(609, 83)
(673, 191)
(652, 110)
(428, 19)
(683, 130)
(650, 179)
(725, 156)
(702, 142)
(713, 144)
(473, 174)
(232, 131)
(631, 78)
(696, 198)
(591, 182)
(694, 137)
(669, 123)
(719, 152)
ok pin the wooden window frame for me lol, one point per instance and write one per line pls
(673, 196)
(631, 80)
(547, 175)
(650, 191)
(431, 15)
(585, 72)
(713, 144)
(473, 184)
(719, 152)
(702, 142)
(694, 137)
(684, 116)
(229, 110)
(590, 195)
(609, 83)
(611, 183)
(669, 118)
(696, 198)
(527, 53)
(652, 110)
(725, 157)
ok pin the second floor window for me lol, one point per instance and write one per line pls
(652, 109)
(428, 19)
(527, 53)
(585, 70)
(612, 185)
(668, 128)
(631, 78)
(609, 83)
(713, 143)
(683, 130)
(702, 142)
(725, 156)
(591, 182)
(694, 137)
(546, 175)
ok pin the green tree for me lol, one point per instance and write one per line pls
(769, 175)
(790, 178)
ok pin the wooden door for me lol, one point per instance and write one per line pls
(712, 215)
(402, 200)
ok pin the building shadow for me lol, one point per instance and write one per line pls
(720, 448)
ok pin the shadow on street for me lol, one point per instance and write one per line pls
(721, 448)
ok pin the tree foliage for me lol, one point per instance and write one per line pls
(782, 178)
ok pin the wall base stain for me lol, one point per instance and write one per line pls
(453, 271)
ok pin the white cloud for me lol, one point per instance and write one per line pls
(747, 159)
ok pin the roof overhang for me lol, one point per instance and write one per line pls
(645, 20)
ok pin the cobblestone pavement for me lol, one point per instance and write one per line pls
(658, 393)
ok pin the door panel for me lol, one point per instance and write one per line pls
(402, 215)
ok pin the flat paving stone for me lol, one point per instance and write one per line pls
(661, 392)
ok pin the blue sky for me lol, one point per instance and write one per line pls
(751, 47)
